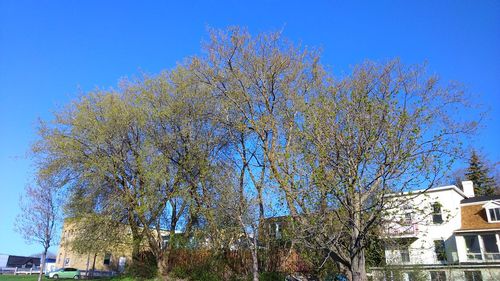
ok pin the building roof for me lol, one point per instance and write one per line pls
(19, 261)
(429, 190)
(480, 199)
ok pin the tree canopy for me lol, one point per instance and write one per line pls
(479, 173)
(256, 127)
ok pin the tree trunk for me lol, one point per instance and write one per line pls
(93, 266)
(358, 268)
(255, 259)
(136, 249)
(88, 265)
(162, 263)
(42, 264)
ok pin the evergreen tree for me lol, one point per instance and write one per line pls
(478, 173)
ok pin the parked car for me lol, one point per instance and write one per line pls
(67, 272)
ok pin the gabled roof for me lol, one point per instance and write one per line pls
(480, 199)
(492, 204)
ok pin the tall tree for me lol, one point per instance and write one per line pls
(383, 129)
(334, 146)
(255, 81)
(138, 154)
(38, 218)
(479, 174)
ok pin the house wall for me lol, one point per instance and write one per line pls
(3, 260)
(421, 247)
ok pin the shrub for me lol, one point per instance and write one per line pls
(144, 267)
(271, 276)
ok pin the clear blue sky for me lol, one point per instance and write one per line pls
(51, 50)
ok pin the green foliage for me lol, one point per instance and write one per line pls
(479, 174)
(200, 272)
(144, 266)
(271, 276)
(187, 146)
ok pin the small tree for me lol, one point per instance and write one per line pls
(38, 218)
(98, 234)
(479, 173)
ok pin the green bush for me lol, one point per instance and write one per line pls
(271, 276)
(200, 273)
(179, 272)
(143, 267)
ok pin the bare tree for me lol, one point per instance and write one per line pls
(38, 218)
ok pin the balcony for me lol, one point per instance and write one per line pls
(492, 256)
(486, 257)
(474, 257)
(402, 231)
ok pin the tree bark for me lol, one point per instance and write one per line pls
(136, 247)
(93, 266)
(162, 263)
(358, 268)
(255, 259)
(88, 264)
(42, 264)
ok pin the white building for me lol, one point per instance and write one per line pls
(443, 233)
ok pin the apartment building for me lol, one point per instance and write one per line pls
(443, 233)
(110, 259)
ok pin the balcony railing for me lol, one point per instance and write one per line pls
(410, 230)
(474, 257)
(478, 257)
(492, 256)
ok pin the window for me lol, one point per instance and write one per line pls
(164, 239)
(490, 247)
(437, 217)
(107, 259)
(405, 255)
(70, 269)
(408, 218)
(494, 215)
(473, 248)
(438, 276)
(473, 276)
(440, 250)
(66, 261)
(275, 230)
(411, 276)
(278, 231)
(490, 243)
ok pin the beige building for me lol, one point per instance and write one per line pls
(114, 258)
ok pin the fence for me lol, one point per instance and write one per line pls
(36, 270)
(19, 270)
